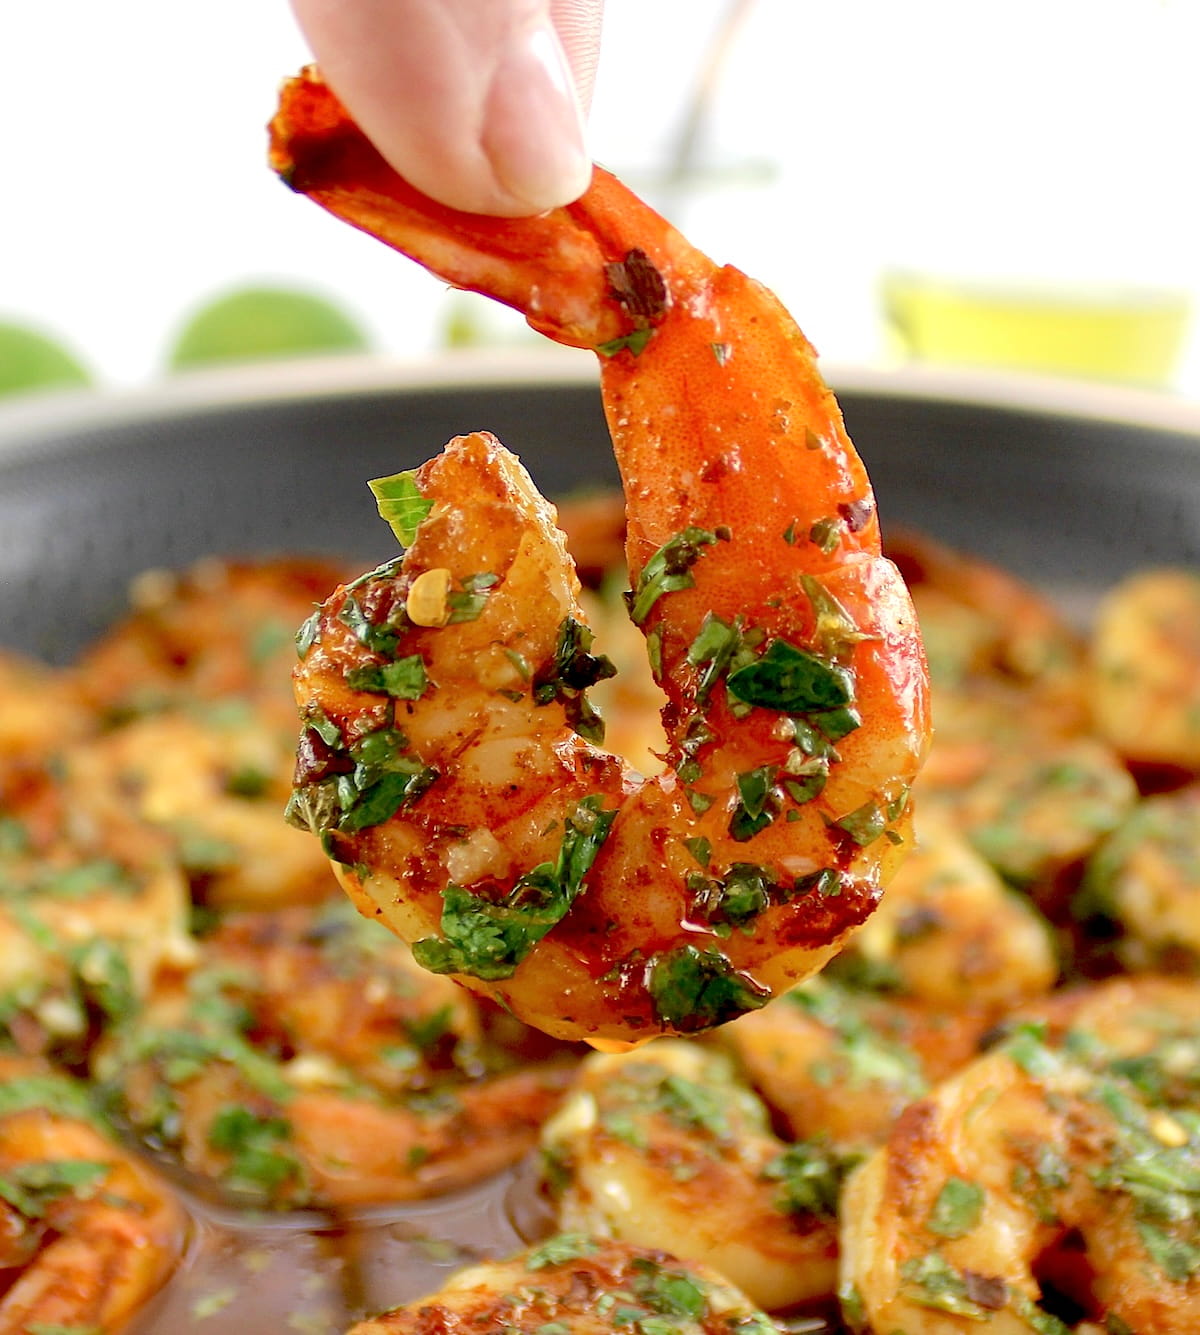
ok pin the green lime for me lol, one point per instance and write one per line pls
(30, 360)
(254, 323)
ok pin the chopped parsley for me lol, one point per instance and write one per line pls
(571, 671)
(634, 342)
(403, 679)
(957, 1209)
(695, 988)
(401, 504)
(488, 938)
(669, 569)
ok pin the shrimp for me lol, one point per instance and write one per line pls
(1052, 1180)
(1146, 668)
(448, 758)
(1145, 879)
(306, 1061)
(664, 1147)
(91, 905)
(90, 1232)
(950, 933)
(579, 1284)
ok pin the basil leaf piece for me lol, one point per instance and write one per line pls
(400, 504)
(791, 680)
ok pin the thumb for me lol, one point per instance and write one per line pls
(473, 101)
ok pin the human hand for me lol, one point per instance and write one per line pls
(479, 103)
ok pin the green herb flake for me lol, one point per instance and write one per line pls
(810, 1175)
(32, 1188)
(957, 1209)
(567, 677)
(308, 635)
(700, 849)
(557, 1250)
(635, 342)
(467, 603)
(756, 807)
(404, 679)
(695, 988)
(668, 1292)
(254, 1143)
(668, 570)
(826, 534)
(931, 1281)
(401, 504)
(792, 681)
(488, 938)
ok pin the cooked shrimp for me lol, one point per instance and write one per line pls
(305, 1060)
(839, 1065)
(41, 710)
(664, 1147)
(978, 620)
(1146, 668)
(950, 933)
(1145, 878)
(443, 763)
(90, 1233)
(582, 1285)
(220, 629)
(1052, 1180)
(213, 780)
(91, 904)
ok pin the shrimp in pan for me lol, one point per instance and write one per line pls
(448, 756)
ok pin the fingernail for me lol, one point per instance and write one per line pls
(533, 126)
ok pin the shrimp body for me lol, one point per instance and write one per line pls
(90, 1231)
(1059, 1166)
(594, 903)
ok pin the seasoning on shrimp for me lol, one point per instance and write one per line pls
(489, 830)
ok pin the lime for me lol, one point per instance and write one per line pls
(254, 323)
(31, 360)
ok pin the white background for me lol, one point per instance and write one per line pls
(1030, 140)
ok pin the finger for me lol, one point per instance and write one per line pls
(473, 101)
(578, 25)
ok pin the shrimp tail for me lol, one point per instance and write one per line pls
(318, 151)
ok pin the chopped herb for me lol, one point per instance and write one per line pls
(378, 639)
(488, 938)
(308, 635)
(722, 352)
(635, 341)
(668, 1292)
(931, 1281)
(668, 570)
(258, 1161)
(401, 504)
(699, 848)
(811, 1177)
(756, 807)
(404, 679)
(32, 1188)
(957, 1210)
(826, 534)
(696, 989)
(572, 670)
(325, 728)
(792, 680)
(467, 604)
(557, 1250)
